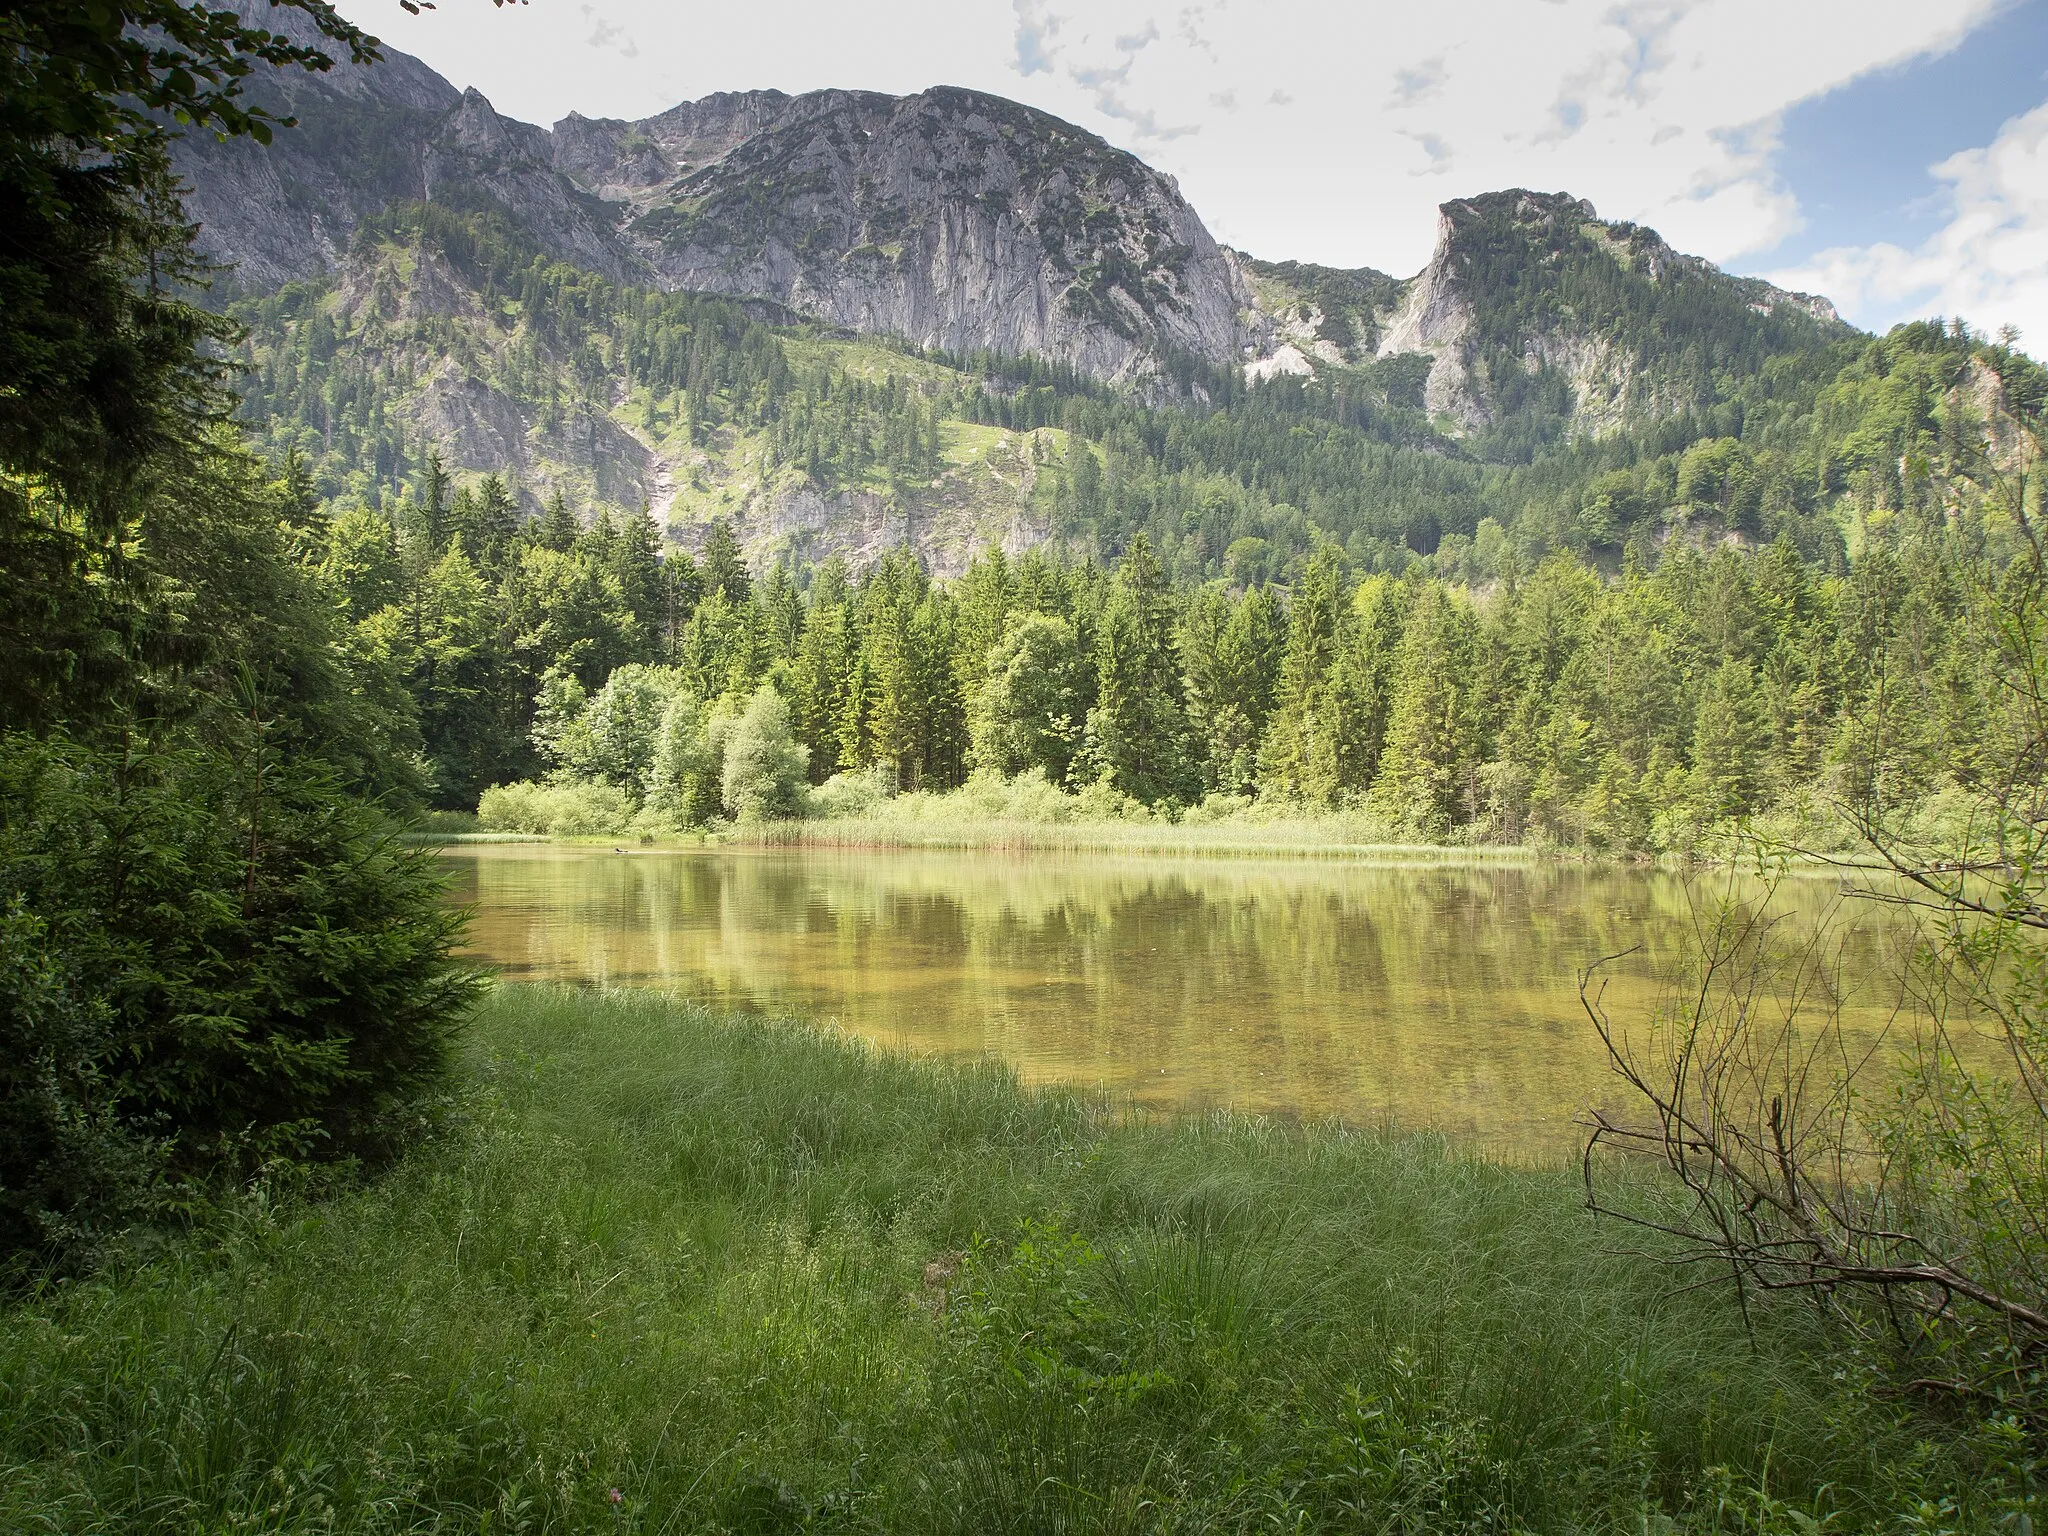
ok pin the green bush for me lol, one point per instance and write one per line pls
(857, 792)
(229, 958)
(764, 767)
(70, 1171)
(574, 808)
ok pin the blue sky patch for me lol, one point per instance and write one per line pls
(1857, 158)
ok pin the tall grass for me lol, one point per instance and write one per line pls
(1303, 837)
(1026, 812)
(679, 1272)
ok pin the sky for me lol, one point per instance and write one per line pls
(1891, 154)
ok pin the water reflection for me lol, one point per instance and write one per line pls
(1435, 995)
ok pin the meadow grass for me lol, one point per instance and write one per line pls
(673, 1271)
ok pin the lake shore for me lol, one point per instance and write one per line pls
(672, 1270)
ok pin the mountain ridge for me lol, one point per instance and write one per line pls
(953, 218)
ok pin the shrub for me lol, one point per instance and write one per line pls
(70, 1171)
(567, 808)
(857, 792)
(763, 774)
(228, 955)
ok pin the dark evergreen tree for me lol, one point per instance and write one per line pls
(1137, 732)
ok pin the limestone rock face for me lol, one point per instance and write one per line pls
(1536, 284)
(955, 219)
(1436, 317)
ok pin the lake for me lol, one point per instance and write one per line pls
(1426, 996)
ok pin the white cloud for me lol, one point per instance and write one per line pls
(1988, 263)
(1300, 128)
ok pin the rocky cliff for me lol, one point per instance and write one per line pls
(952, 218)
(1525, 289)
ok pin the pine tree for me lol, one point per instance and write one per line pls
(783, 608)
(723, 566)
(303, 507)
(983, 595)
(1303, 756)
(1137, 733)
(635, 564)
(895, 681)
(1725, 744)
(818, 680)
(434, 500)
(1430, 758)
(486, 518)
(558, 528)
(1230, 658)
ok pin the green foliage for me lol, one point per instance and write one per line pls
(102, 351)
(1231, 656)
(1028, 709)
(1432, 742)
(213, 958)
(762, 766)
(1136, 737)
(258, 970)
(72, 1174)
(579, 808)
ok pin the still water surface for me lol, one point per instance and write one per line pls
(1438, 996)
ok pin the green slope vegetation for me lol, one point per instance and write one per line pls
(456, 331)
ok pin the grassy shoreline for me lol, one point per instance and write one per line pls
(1278, 839)
(758, 1277)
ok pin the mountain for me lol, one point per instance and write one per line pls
(952, 218)
(962, 221)
(845, 320)
(1525, 289)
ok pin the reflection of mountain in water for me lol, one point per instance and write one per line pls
(1441, 996)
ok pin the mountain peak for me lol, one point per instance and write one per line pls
(966, 221)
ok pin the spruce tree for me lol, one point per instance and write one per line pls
(1137, 733)
(635, 564)
(723, 566)
(487, 522)
(558, 527)
(1303, 755)
(984, 595)
(1725, 744)
(1230, 656)
(1431, 754)
(434, 500)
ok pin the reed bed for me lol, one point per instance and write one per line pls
(1291, 838)
(672, 1271)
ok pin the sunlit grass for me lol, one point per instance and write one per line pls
(1028, 813)
(755, 1277)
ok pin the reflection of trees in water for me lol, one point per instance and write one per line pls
(1440, 993)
